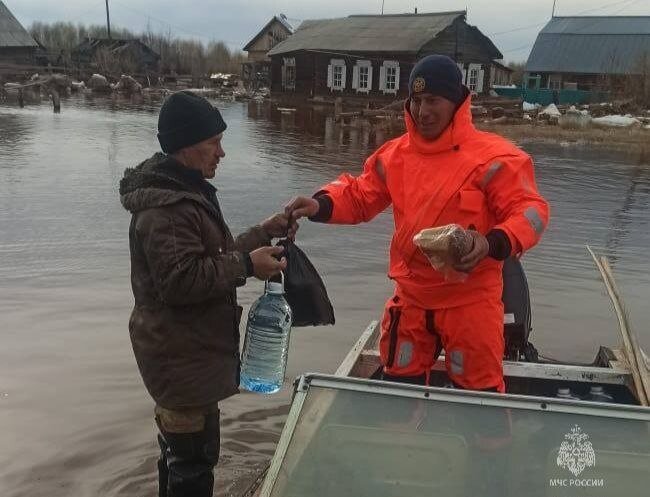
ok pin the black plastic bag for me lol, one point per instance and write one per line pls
(304, 289)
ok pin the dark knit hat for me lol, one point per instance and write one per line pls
(185, 119)
(438, 75)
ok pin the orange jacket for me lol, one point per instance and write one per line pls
(466, 177)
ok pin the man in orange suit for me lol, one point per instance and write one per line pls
(441, 171)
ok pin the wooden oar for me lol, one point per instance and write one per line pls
(630, 343)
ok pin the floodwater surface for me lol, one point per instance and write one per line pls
(75, 417)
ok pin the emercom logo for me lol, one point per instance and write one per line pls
(576, 453)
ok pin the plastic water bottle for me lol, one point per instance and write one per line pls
(266, 344)
(597, 394)
(565, 393)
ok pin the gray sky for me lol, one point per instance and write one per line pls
(512, 24)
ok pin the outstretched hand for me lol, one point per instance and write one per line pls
(301, 207)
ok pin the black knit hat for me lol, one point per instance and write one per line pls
(438, 75)
(185, 119)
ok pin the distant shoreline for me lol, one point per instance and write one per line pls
(630, 139)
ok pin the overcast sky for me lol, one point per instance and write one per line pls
(512, 24)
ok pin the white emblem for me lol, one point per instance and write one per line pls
(576, 452)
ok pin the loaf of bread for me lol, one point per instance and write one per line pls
(444, 245)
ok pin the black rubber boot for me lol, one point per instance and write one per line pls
(163, 473)
(187, 461)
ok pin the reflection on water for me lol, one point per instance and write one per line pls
(76, 419)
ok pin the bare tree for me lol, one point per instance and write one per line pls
(177, 55)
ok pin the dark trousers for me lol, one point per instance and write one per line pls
(187, 460)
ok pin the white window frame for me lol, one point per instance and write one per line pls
(383, 76)
(336, 66)
(286, 83)
(472, 79)
(359, 67)
(555, 82)
(475, 78)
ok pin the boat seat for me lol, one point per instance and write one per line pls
(517, 317)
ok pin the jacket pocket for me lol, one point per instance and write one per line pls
(471, 201)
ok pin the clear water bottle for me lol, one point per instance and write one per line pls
(597, 394)
(266, 344)
(565, 393)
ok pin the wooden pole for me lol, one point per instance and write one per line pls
(56, 100)
(630, 344)
(108, 21)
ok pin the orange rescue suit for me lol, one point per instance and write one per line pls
(475, 179)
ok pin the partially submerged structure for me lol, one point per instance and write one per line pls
(372, 55)
(111, 55)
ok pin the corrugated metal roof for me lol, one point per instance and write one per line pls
(12, 33)
(599, 25)
(591, 45)
(368, 33)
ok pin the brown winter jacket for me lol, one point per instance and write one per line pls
(185, 267)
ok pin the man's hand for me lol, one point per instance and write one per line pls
(280, 225)
(301, 207)
(265, 263)
(479, 251)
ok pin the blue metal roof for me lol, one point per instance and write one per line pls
(592, 45)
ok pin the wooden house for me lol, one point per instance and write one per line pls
(371, 56)
(127, 55)
(257, 69)
(17, 47)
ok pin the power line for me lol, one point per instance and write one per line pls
(522, 28)
(604, 7)
(178, 28)
(596, 21)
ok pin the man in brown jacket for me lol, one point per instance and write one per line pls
(185, 268)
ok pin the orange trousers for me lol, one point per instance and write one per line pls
(471, 335)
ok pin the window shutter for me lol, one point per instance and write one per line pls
(479, 83)
(382, 78)
(343, 76)
(396, 77)
(369, 77)
(284, 76)
(329, 76)
(355, 77)
(461, 66)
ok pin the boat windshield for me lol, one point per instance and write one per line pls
(362, 438)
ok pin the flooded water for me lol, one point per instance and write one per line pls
(75, 417)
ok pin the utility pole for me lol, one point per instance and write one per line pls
(552, 13)
(382, 7)
(108, 21)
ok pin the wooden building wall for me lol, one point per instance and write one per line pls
(271, 36)
(17, 55)
(311, 74)
(459, 41)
